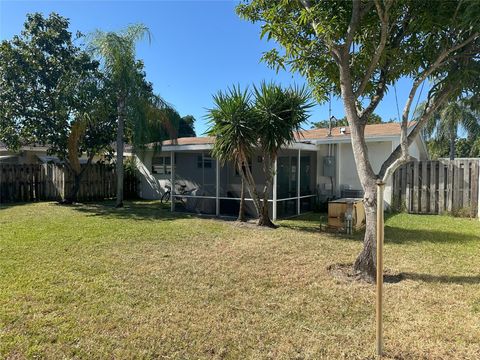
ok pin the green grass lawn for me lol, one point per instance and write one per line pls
(93, 282)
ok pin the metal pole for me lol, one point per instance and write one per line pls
(478, 191)
(380, 235)
(298, 182)
(172, 181)
(274, 191)
(217, 187)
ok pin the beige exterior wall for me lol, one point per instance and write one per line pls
(348, 176)
(188, 173)
(378, 152)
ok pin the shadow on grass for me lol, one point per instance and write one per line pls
(442, 279)
(393, 234)
(398, 235)
(346, 272)
(8, 205)
(137, 210)
(309, 222)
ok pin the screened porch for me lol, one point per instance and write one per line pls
(203, 186)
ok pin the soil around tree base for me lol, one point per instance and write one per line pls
(346, 273)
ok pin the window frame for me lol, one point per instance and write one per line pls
(161, 165)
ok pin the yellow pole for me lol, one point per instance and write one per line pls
(380, 235)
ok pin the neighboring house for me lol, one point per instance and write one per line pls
(32, 154)
(25, 155)
(317, 165)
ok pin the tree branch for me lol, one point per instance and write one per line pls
(384, 20)
(379, 93)
(382, 83)
(397, 157)
(354, 21)
(439, 62)
(334, 51)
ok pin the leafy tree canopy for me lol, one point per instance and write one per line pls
(48, 83)
(358, 50)
(444, 127)
(186, 126)
(311, 33)
(464, 148)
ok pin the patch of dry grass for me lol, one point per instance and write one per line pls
(94, 282)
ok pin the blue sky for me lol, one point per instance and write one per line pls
(198, 48)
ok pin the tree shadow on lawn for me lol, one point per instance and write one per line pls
(441, 279)
(345, 272)
(400, 235)
(309, 222)
(133, 210)
(8, 205)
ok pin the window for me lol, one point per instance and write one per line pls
(204, 161)
(161, 165)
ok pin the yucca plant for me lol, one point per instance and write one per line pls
(233, 125)
(279, 114)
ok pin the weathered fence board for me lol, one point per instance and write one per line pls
(42, 182)
(438, 186)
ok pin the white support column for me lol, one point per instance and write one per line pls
(338, 170)
(298, 183)
(478, 192)
(217, 187)
(274, 191)
(172, 181)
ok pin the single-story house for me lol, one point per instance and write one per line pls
(33, 154)
(319, 165)
(27, 154)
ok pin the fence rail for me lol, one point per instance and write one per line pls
(44, 182)
(437, 186)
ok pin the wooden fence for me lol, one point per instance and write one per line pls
(437, 186)
(43, 182)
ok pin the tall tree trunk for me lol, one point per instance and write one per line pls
(73, 159)
(264, 216)
(241, 210)
(365, 264)
(73, 194)
(120, 146)
(250, 182)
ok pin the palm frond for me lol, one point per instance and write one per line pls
(232, 123)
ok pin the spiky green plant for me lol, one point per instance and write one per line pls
(279, 114)
(232, 122)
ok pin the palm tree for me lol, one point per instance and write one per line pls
(117, 50)
(279, 115)
(444, 125)
(232, 123)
